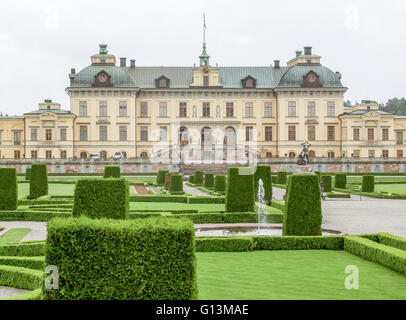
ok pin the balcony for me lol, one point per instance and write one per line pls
(371, 143)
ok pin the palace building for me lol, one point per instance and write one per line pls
(203, 112)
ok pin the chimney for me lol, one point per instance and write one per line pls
(72, 71)
(276, 64)
(308, 51)
(123, 62)
(298, 53)
(132, 63)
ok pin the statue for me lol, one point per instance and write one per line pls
(303, 158)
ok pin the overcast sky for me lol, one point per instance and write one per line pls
(41, 40)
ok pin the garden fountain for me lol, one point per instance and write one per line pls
(261, 207)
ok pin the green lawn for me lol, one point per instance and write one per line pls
(53, 189)
(378, 179)
(14, 235)
(292, 274)
(395, 188)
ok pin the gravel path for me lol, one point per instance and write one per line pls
(194, 191)
(38, 229)
(9, 292)
(356, 216)
(155, 189)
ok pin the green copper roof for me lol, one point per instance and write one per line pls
(56, 111)
(204, 57)
(361, 112)
(120, 77)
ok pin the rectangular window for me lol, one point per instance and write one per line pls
(229, 109)
(311, 133)
(83, 133)
(17, 154)
(292, 109)
(331, 133)
(48, 154)
(34, 154)
(123, 109)
(103, 133)
(103, 109)
(268, 109)
(163, 133)
(399, 153)
(144, 109)
(144, 133)
(48, 134)
(163, 109)
(62, 132)
(292, 133)
(123, 133)
(356, 134)
(63, 154)
(356, 153)
(83, 108)
(249, 132)
(34, 134)
(399, 137)
(311, 109)
(385, 134)
(385, 153)
(182, 110)
(205, 81)
(17, 138)
(206, 109)
(370, 134)
(331, 109)
(371, 153)
(268, 133)
(249, 109)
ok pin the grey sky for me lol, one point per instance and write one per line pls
(41, 40)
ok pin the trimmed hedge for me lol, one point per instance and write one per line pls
(8, 189)
(278, 205)
(160, 178)
(19, 215)
(240, 190)
(224, 244)
(281, 177)
(199, 179)
(28, 174)
(338, 195)
(36, 263)
(209, 180)
(197, 199)
(112, 172)
(141, 259)
(390, 257)
(327, 183)
(38, 181)
(22, 278)
(176, 184)
(158, 198)
(264, 172)
(23, 249)
(220, 183)
(192, 179)
(340, 180)
(299, 243)
(368, 183)
(302, 206)
(101, 198)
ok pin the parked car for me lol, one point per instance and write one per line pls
(118, 156)
(94, 156)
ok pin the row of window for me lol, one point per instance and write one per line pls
(83, 130)
(102, 109)
(34, 154)
(48, 134)
(371, 153)
(371, 135)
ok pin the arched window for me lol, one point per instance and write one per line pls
(103, 155)
(124, 154)
(83, 155)
(330, 154)
(206, 135)
(312, 154)
(292, 154)
(269, 154)
(183, 136)
(144, 155)
(229, 136)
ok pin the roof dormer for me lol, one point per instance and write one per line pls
(249, 82)
(162, 82)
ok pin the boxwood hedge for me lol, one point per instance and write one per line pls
(140, 259)
(28, 174)
(167, 183)
(8, 189)
(101, 198)
(327, 183)
(240, 190)
(38, 181)
(368, 183)
(112, 172)
(220, 183)
(340, 180)
(302, 206)
(264, 172)
(176, 184)
(281, 177)
(192, 179)
(209, 180)
(160, 178)
(199, 178)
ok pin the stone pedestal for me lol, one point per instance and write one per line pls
(307, 169)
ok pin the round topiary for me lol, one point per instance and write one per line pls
(281, 177)
(176, 184)
(160, 178)
(199, 177)
(220, 183)
(327, 183)
(340, 180)
(264, 173)
(368, 183)
(240, 190)
(112, 172)
(302, 206)
(38, 181)
(209, 180)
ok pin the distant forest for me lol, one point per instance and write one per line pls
(395, 105)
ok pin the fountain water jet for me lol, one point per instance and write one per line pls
(261, 206)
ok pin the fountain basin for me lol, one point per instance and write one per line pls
(248, 229)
